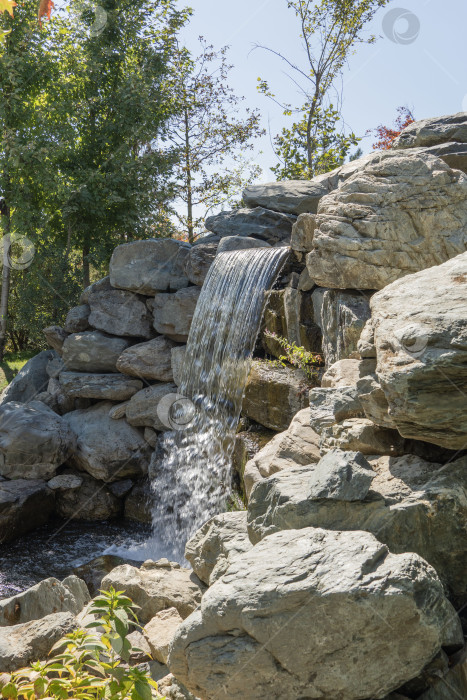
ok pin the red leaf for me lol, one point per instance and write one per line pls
(45, 10)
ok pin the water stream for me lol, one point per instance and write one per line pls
(194, 474)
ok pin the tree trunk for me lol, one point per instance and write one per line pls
(5, 286)
(310, 141)
(188, 181)
(86, 274)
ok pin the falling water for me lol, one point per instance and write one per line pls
(194, 473)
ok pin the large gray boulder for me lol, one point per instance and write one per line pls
(22, 644)
(396, 215)
(420, 327)
(341, 316)
(55, 337)
(108, 449)
(412, 506)
(93, 351)
(84, 498)
(290, 196)
(31, 380)
(273, 395)
(157, 585)
(149, 266)
(270, 226)
(120, 313)
(313, 613)
(216, 543)
(45, 598)
(115, 387)
(230, 243)
(333, 405)
(173, 313)
(151, 360)
(24, 505)
(77, 319)
(430, 132)
(34, 441)
(142, 409)
(362, 435)
(198, 262)
(299, 444)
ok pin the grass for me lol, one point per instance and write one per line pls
(11, 365)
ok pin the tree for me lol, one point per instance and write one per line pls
(209, 135)
(386, 135)
(330, 149)
(329, 29)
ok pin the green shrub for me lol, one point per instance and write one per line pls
(296, 355)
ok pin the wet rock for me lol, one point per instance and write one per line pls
(157, 586)
(45, 598)
(55, 337)
(34, 441)
(77, 319)
(91, 500)
(430, 132)
(160, 631)
(178, 355)
(148, 406)
(107, 449)
(120, 313)
(289, 196)
(115, 387)
(121, 488)
(289, 314)
(308, 584)
(30, 380)
(93, 351)
(213, 546)
(198, 262)
(173, 313)
(151, 360)
(150, 266)
(139, 503)
(423, 205)
(266, 225)
(25, 504)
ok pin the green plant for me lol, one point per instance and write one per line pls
(296, 355)
(87, 666)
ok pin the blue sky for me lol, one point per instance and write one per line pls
(429, 74)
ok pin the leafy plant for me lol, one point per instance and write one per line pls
(296, 355)
(88, 666)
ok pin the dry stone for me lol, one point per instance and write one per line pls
(102, 285)
(151, 360)
(149, 266)
(173, 313)
(31, 380)
(302, 233)
(329, 406)
(25, 505)
(362, 435)
(77, 319)
(93, 351)
(198, 262)
(430, 132)
(142, 409)
(272, 227)
(301, 615)
(346, 373)
(160, 631)
(115, 387)
(420, 329)
(121, 313)
(45, 598)
(55, 337)
(230, 243)
(395, 216)
(289, 196)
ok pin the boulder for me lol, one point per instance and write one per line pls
(151, 360)
(91, 500)
(22, 644)
(45, 598)
(120, 313)
(55, 337)
(362, 435)
(412, 506)
(157, 586)
(121, 488)
(329, 406)
(160, 631)
(102, 285)
(430, 132)
(178, 355)
(149, 266)
(373, 401)
(92, 572)
(114, 387)
(173, 313)
(93, 351)
(346, 373)
(301, 615)
(65, 482)
(78, 589)
(139, 503)
(77, 319)
(273, 395)
(289, 313)
(266, 225)
(250, 439)
(299, 444)
(34, 441)
(396, 215)
(107, 449)
(57, 400)
(230, 243)
(341, 316)
(290, 196)
(420, 326)
(118, 410)
(445, 683)
(213, 546)
(302, 233)
(31, 380)
(142, 409)
(198, 262)
(24, 505)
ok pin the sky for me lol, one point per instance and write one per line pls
(426, 71)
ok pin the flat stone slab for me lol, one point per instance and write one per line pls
(115, 387)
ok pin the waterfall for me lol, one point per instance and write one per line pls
(193, 475)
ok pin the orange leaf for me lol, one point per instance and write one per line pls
(7, 6)
(45, 10)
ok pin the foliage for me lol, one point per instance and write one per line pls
(209, 134)
(386, 135)
(329, 30)
(87, 666)
(330, 150)
(296, 355)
